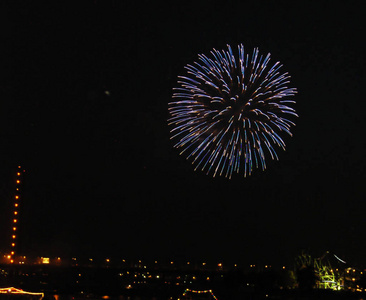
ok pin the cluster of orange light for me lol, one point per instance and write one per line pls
(15, 220)
(12, 290)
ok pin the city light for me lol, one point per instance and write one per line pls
(12, 290)
(186, 277)
(45, 260)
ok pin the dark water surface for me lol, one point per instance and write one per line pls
(257, 296)
(93, 297)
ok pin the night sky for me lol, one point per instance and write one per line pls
(83, 109)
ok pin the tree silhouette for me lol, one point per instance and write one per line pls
(306, 277)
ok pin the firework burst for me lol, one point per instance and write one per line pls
(230, 111)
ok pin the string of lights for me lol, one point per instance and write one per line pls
(199, 292)
(14, 236)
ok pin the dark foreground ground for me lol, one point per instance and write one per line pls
(73, 283)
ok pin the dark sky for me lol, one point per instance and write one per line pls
(102, 178)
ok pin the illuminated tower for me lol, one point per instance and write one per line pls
(15, 217)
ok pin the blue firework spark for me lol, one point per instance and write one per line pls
(230, 111)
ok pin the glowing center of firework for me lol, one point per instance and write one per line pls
(230, 110)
